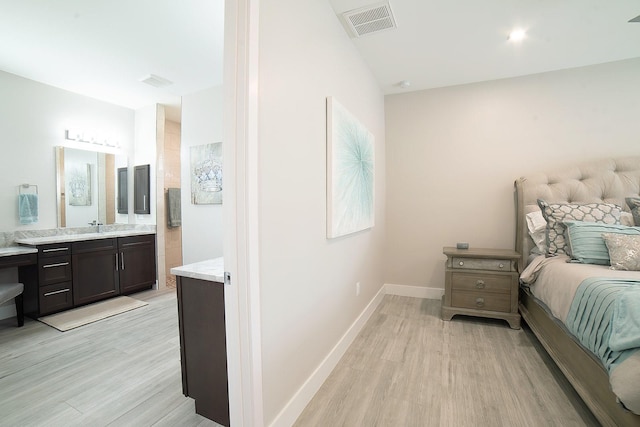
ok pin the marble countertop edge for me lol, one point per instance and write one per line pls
(211, 270)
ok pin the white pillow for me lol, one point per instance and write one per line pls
(537, 226)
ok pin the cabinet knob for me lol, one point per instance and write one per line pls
(461, 263)
(480, 302)
(501, 265)
(480, 284)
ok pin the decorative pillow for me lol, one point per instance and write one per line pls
(624, 251)
(627, 219)
(537, 227)
(585, 243)
(634, 205)
(556, 213)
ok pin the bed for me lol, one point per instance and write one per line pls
(611, 182)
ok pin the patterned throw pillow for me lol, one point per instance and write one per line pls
(556, 213)
(624, 251)
(634, 205)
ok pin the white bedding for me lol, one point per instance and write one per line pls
(554, 281)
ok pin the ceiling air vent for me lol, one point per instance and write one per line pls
(369, 19)
(156, 81)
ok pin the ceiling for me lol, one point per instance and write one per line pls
(102, 48)
(443, 43)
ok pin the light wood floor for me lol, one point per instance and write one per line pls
(121, 371)
(409, 368)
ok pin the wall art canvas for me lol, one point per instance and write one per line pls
(350, 172)
(206, 174)
(79, 177)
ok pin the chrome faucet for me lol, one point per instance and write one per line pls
(95, 222)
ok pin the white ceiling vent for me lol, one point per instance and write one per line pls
(156, 81)
(369, 19)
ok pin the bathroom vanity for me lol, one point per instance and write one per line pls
(78, 269)
(203, 348)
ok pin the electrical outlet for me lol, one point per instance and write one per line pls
(357, 288)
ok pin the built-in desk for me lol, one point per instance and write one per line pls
(203, 348)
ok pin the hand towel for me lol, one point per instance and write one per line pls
(28, 208)
(174, 210)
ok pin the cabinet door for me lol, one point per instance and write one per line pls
(95, 275)
(123, 191)
(141, 190)
(137, 262)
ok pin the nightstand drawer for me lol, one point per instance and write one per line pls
(498, 283)
(483, 264)
(481, 301)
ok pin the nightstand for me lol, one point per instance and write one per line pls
(481, 282)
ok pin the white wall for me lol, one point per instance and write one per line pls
(33, 119)
(145, 154)
(201, 224)
(307, 282)
(454, 153)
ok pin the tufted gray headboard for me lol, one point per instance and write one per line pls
(608, 180)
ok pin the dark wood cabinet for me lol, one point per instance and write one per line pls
(123, 190)
(141, 189)
(53, 289)
(203, 348)
(68, 275)
(95, 272)
(137, 258)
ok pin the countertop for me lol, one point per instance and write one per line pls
(211, 270)
(17, 250)
(63, 238)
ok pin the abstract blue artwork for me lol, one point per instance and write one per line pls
(350, 172)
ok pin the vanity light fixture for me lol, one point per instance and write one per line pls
(80, 136)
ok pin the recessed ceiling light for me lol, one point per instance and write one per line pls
(517, 35)
(404, 84)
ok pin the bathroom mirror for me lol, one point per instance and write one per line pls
(86, 187)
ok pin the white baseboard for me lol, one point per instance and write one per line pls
(414, 291)
(303, 396)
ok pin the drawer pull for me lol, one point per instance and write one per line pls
(461, 263)
(479, 302)
(54, 250)
(60, 264)
(501, 265)
(48, 294)
(480, 284)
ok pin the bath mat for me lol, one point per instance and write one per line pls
(81, 316)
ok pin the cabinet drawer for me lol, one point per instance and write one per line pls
(483, 264)
(94, 246)
(481, 301)
(54, 250)
(54, 298)
(500, 283)
(55, 270)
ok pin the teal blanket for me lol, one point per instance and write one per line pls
(605, 317)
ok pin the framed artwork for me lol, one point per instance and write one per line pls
(80, 185)
(350, 172)
(206, 174)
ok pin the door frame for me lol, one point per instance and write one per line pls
(241, 215)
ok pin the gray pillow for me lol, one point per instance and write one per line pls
(556, 213)
(634, 205)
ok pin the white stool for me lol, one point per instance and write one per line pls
(13, 291)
